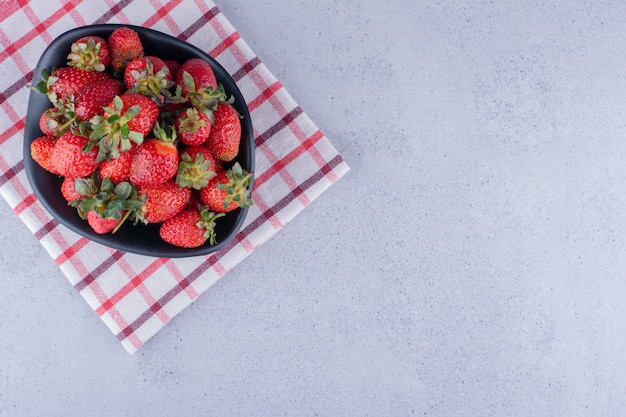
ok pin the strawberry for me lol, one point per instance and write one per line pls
(102, 225)
(228, 190)
(194, 151)
(192, 126)
(190, 228)
(47, 122)
(118, 169)
(200, 72)
(91, 99)
(41, 150)
(225, 135)
(163, 201)
(148, 112)
(57, 120)
(65, 82)
(196, 167)
(125, 46)
(68, 158)
(74, 189)
(149, 76)
(128, 117)
(89, 52)
(108, 201)
(68, 190)
(156, 159)
(196, 85)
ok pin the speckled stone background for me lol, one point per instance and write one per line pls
(472, 262)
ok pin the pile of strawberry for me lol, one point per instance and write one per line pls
(141, 139)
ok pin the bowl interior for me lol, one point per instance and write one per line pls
(140, 239)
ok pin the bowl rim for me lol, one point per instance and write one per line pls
(32, 131)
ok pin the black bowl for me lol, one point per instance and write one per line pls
(140, 239)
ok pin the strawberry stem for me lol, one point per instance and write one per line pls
(126, 216)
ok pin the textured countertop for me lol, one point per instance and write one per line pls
(471, 263)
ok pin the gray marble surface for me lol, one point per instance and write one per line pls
(472, 262)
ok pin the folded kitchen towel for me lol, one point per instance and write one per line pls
(137, 295)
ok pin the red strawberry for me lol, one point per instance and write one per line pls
(118, 169)
(156, 159)
(59, 119)
(91, 100)
(128, 118)
(90, 52)
(68, 158)
(102, 225)
(125, 46)
(163, 201)
(55, 121)
(68, 191)
(41, 150)
(108, 201)
(47, 122)
(194, 151)
(74, 189)
(196, 167)
(149, 76)
(228, 190)
(196, 86)
(201, 74)
(148, 112)
(192, 127)
(65, 82)
(225, 135)
(190, 228)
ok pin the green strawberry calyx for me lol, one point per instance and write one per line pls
(208, 223)
(85, 55)
(45, 82)
(165, 132)
(151, 84)
(194, 173)
(237, 187)
(191, 121)
(111, 131)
